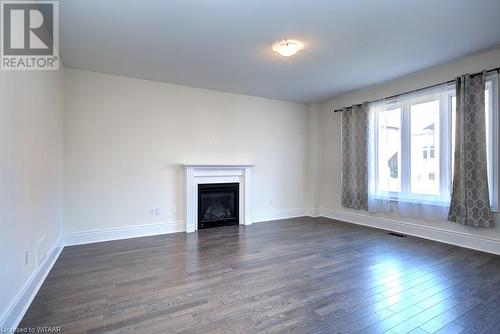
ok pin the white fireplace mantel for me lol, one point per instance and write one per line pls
(204, 173)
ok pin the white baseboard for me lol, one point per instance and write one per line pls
(87, 237)
(480, 243)
(313, 212)
(18, 308)
(461, 239)
(264, 216)
(20, 305)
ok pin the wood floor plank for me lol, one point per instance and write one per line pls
(301, 275)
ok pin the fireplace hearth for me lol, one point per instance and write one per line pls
(218, 204)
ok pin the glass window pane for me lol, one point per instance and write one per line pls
(425, 137)
(389, 150)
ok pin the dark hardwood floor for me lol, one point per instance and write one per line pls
(304, 275)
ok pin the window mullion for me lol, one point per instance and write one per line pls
(405, 149)
(444, 146)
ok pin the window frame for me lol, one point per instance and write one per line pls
(405, 195)
(445, 150)
(494, 147)
(383, 194)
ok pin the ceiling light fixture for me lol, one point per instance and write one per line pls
(287, 47)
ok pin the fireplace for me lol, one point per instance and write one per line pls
(218, 204)
(197, 174)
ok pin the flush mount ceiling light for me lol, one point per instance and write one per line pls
(287, 47)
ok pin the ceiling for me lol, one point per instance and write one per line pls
(226, 44)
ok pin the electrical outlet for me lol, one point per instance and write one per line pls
(26, 256)
(154, 211)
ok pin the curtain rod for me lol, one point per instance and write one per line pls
(497, 69)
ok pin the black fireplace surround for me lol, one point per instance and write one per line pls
(218, 204)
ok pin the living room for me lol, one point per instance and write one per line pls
(188, 166)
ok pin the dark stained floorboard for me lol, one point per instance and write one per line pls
(303, 275)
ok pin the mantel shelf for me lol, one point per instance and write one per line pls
(217, 166)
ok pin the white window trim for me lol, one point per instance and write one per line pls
(494, 137)
(405, 194)
(445, 130)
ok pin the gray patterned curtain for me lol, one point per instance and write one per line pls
(355, 156)
(470, 202)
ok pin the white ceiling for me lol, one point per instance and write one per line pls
(226, 44)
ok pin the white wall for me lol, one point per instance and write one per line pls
(30, 175)
(313, 157)
(329, 122)
(125, 140)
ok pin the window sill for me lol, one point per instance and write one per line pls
(417, 201)
(412, 200)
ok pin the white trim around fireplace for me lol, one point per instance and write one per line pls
(200, 174)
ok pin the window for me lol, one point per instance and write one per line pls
(389, 148)
(428, 152)
(413, 145)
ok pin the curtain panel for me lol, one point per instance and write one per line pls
(470, 203)
(355, 134)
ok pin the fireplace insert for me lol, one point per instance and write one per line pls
(218, 204)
